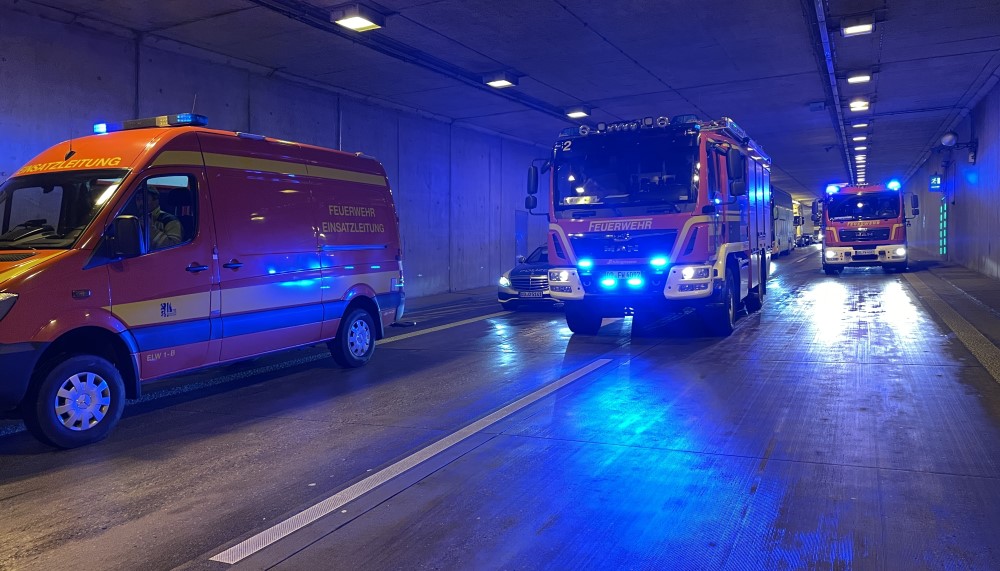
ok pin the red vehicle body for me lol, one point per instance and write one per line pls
(654, 216)
(274, 245)
(863, 226)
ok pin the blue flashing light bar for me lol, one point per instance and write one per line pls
(635, 282)
(658, 261)
(178, 120)
(609, 283)
(832, 189)
(586, 263)
(894, 184)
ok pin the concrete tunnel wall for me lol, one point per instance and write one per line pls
(459, 192)
(969, 196)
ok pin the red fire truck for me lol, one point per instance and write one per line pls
(864, 226)
(655, 216)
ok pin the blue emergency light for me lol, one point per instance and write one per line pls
(832, 189)
(178, 120)
(658, 261)
(894, 184)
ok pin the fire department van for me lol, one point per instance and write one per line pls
(158, 246)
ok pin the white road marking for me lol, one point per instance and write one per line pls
(261, 540)
(439, 328)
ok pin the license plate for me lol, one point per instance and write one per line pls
(864, 252)
(530, 294)
(623, 275)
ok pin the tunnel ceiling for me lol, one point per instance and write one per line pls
(762, 63)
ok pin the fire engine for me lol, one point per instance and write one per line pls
(657, 216)
(864, 226)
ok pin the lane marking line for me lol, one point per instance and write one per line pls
(981, 348)
(296, 522)
(439, 328)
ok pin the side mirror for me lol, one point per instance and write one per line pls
(736, 164)
(522, 259)
(798, 221)
(708, 209)
(530, 202)
(738, 188)
(532, 180)
(126, 237)
(915, 211)
(914, 203)
(774, 212)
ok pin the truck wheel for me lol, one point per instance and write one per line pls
(355, 341)
(754, 300)
(722, 321)
(77, 402)
(581, 319)
(831, 271)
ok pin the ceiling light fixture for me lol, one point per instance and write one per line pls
(357, 17)
(859, 77)
(500, 79)
(859, 105)
(860, 125)
(857, 26)
(859, 138)
(861, 148)
(578, 112)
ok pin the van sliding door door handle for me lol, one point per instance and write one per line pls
(195, 267)
(233, 264)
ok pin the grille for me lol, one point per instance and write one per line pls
(866, 236)
(14, 257)
(624, 244)
(529, 283)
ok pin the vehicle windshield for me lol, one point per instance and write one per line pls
(539, 256)
(51, 210)
(625, 174)
(865, 206)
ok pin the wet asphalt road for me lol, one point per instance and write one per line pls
(851, 424)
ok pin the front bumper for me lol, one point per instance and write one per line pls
(867, 255)
(505, 295)
(667, 285)
(17, 361)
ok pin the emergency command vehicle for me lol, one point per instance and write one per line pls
(159, 246)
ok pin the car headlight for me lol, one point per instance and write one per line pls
(830, 254)
(558, 275)
(691, 273)
(504, 282)
(900, 252)
(6, 302)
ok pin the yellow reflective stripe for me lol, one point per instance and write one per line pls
(185, 158)
(350, 176)
(253, 164)
(148, 312)
(194, 158)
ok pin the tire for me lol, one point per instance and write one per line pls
(722, 322)
(75, 402)
(580, 319)
(831, 271)
(355, 341)
(754, 302)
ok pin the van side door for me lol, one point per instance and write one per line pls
(164, 294)
(268, 252)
